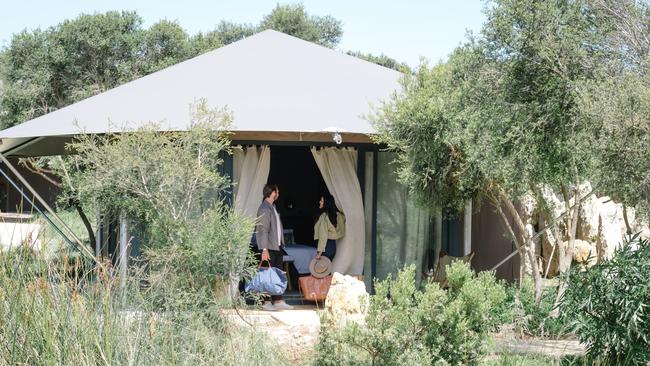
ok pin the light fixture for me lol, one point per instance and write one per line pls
(336, 134)
(337, 138)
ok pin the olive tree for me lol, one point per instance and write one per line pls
(169, 185)
(514, 111)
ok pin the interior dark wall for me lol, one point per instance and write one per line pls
(296, 174)
(490, 245)
(11, 199)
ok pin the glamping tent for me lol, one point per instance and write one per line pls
(299, 121)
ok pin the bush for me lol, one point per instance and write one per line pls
(407, 326)
(169, 187)
(608, 305)
(531, 318)
(50, 316)
(169, 309)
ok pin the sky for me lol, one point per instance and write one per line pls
(404, 30)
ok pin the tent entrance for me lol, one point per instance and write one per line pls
(295, 172)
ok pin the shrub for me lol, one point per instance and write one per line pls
(48, 317)
(169, 310)
(407, 326)
(212, 254)
(608, 305)
(169, 187)
(531, 318)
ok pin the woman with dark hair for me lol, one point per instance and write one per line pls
(329, 228)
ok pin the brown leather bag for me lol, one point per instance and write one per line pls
(314, 289)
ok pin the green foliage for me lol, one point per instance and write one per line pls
(168, 177)
(57, 313)
(407, 326)
(229, 32)
(169, 309)
(525, 118)
(44, 70)
(420, 125)
(211, 256)
(294, 20)
(607, 305)
(530, 318)
(620, 103)
(382, 60)
(549, 94)
(537, 360)
(168, 185)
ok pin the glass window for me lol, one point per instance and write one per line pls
(404, 230)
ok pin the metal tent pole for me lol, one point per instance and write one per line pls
(26, 197)
(84, 248)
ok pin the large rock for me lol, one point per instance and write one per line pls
(601, 227)
(347, 300)
(584, 252)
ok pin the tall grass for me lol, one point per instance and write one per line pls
(62, 311)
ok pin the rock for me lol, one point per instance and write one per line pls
(583, 252)
(347, 300)
(601, 227)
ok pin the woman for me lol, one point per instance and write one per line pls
(329, 228)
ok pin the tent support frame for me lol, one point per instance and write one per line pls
(84, 249)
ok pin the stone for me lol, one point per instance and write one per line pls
(601, 228)
(347, 300)
(584, 252)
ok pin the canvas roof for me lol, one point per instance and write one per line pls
(278, 87)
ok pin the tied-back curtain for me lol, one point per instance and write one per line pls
(338, 166)
(251, 167)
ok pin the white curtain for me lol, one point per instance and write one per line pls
(338, 166)
(251, 167)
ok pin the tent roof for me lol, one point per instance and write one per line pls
(272, 83)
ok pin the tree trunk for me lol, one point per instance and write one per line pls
(84, 219)
(628, 228)
(551, 230)
(572, 228)
(527, 242)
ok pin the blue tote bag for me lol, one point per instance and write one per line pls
(269, 280)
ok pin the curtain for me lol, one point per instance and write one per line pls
(251, 167)
(404, 230)
(338, 166)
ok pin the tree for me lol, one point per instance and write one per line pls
(427, 126)
(533, 135)
(382, 60)
(295, 21)
(509, 108)
(44, 70)
(164, 44)
(618, 100)
(229, 32)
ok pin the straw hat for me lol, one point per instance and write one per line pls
(320, 268)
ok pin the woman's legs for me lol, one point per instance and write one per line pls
(330, 249)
